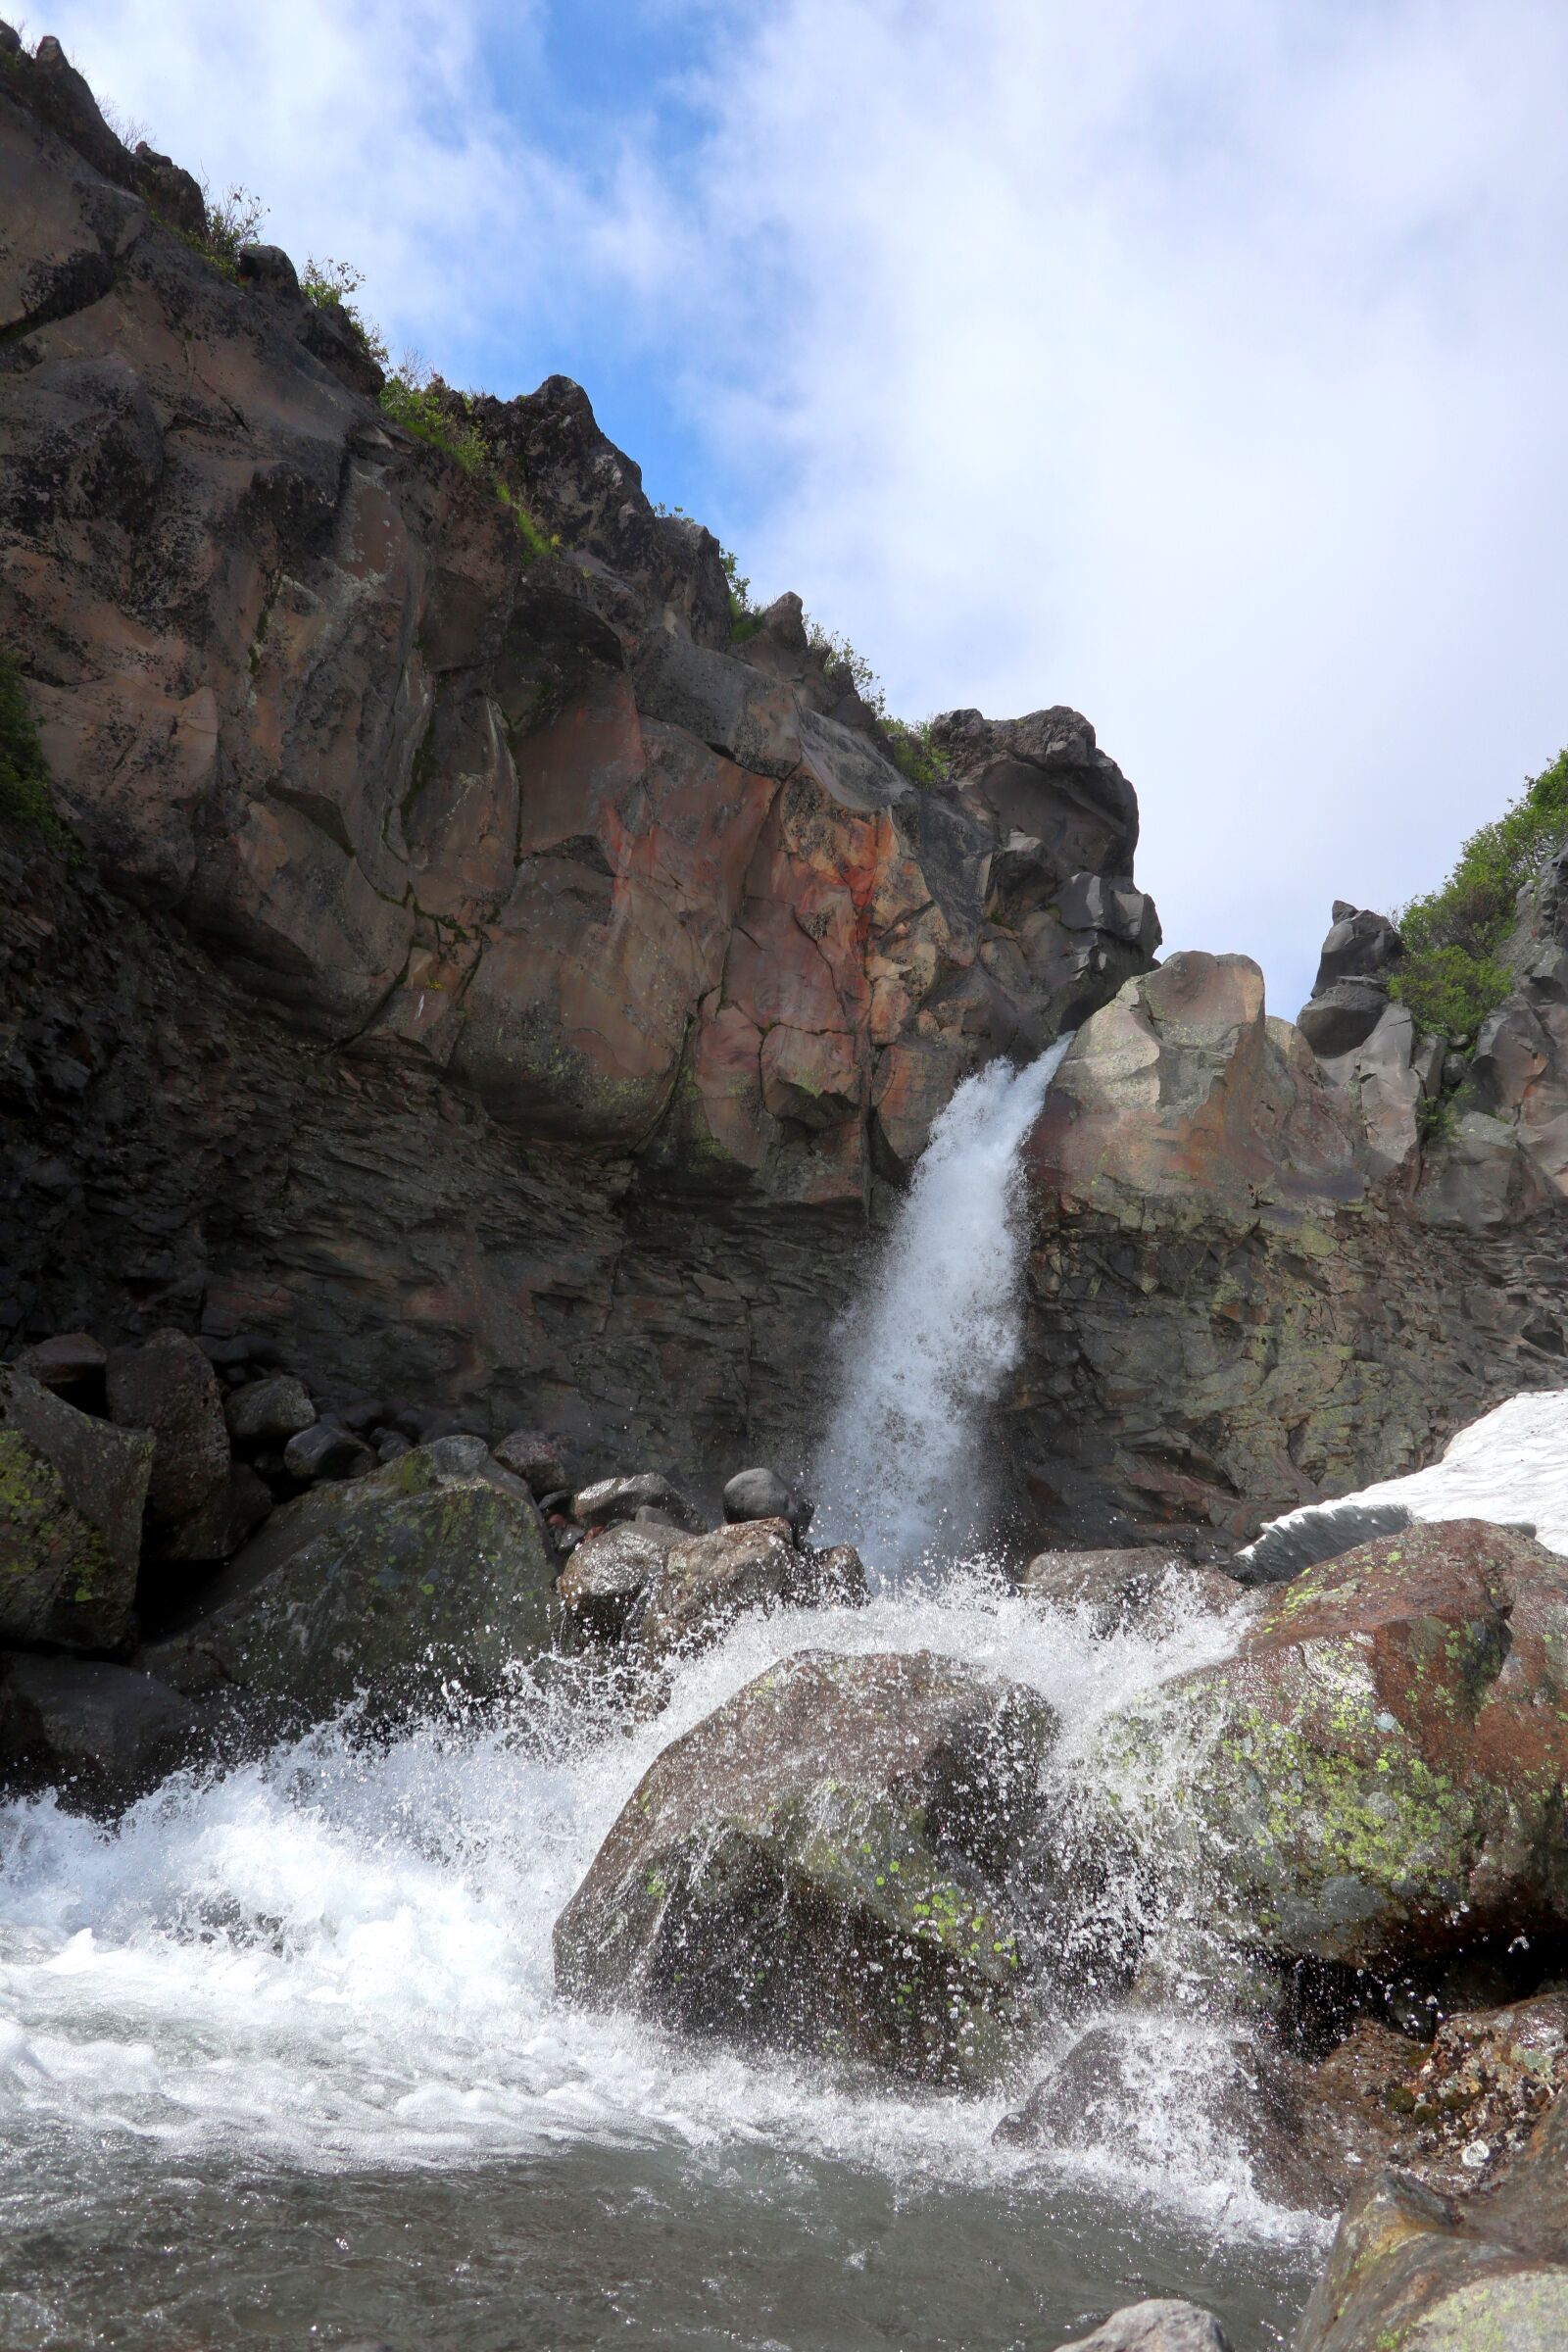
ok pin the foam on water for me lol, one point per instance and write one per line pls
(928, 1347)
(339, 1955)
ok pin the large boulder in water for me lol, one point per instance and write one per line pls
(1413, 2271)
(822, 1864)
(71, 1492)
(1377, 1776)
(433, 1568)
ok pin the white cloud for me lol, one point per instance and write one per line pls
(1198, 362)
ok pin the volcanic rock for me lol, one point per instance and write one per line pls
(533, 1458)
(763, 1494)
(168, 1385)
(610, 1571)
(1120, 1587)
(268, 1412)
(389, 1584)
(821, 1864)
(1164, 2324)
(71, 1492)
(99, 1731)
(1377, 1776)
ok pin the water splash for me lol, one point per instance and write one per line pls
(901, 1472)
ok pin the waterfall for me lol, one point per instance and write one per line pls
(926, 1350)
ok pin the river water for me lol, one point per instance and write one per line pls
(284, 2053)
(282, 2061)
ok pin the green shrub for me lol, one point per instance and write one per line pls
(434, 412)
(331, 286)
(914, 754)
(1454, 973)
(232, 220)
(25, 796)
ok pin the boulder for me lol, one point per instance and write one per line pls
(231, 1512)
(1359, 945)
(835, 1576)
(1164, 2324)
(71, 1494)
(426, 1571)
(1376, 1777)
(268, 1412)
(325, 1452)
(533, 1458)
(168, 1385)
(763, 1494)
(1116, 1587)
(610, 1500)
(71, 1365)
(98, 1731)
(607, 1574)
(704, 1584)
(821, 1864)
(1413, 2271)
(1343, 1017)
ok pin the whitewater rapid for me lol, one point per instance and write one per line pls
(339, 1955)
(922, 1356)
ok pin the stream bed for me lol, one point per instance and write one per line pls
(281, 2061)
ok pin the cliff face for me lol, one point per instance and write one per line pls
(482, 974)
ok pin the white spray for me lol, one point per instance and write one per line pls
(939, 1329)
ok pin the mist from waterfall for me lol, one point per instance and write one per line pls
(924, 1352)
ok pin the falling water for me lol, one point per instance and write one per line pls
(923, 1354)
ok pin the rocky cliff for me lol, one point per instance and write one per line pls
(488, 974)
(480, 974)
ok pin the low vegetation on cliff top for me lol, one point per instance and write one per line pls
(1453, 972)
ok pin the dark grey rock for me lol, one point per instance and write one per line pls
(1359, 944)
(71, 1365)
(534, 1458)
(71, 1494)
(168, 1385)
(267, 266)
(761, 1493)
(1322, 1532)
(106, 1730)
(393, 1583)
(268, 1412)
(1343, 1017)
(323, 1451)
(231, 1513)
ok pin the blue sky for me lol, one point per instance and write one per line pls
(1197, 363)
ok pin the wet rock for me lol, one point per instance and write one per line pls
(168, 1385)
(1324, 1532)
(231, 1512)
(611, 1499)
(763, 1494)
(103, 1733)
(1376, 1777)
(322, 1451)
(534, 1458)
(71, 1365)
(607, 1574)
(71, 1494)
(1160, 2325)
(704, 1584)
(391, 1583)
(820, 1865)
(835, 1575)
(1117, 1588)
(268, 1412)
(1412, 2268)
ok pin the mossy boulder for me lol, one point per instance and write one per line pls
(1377, 1776)
(434, 1569)
(823, 1865)
(71, 1492)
